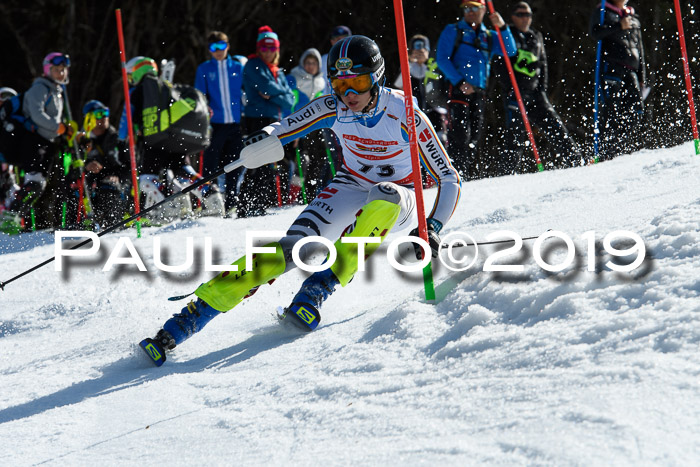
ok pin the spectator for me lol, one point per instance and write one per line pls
(333, 148)
(163, 149)
(105, 171)
(308, 83)
(7, 178)
(42, 107)
(221, 80)
(530, 69)
(624, 75)
(464, 52)
(423, 69)
(269, 97)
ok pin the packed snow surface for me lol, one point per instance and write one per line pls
(575, 367)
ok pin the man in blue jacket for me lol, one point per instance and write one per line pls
(221, 80)
(464, 52)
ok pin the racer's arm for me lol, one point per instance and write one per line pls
(317, 114)
(436, 162)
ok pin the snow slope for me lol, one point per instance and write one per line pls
(569, 368)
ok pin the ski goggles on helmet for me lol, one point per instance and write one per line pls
(268, 49)
(100, 113)
(4, 95)
(217, 46)
(59, 60)
(472, 9)
(342, 85)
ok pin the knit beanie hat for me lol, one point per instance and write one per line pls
(267, 38)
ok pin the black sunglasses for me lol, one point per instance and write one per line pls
(523, 14)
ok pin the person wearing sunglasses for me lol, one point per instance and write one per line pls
(43, 108)
(372, 194)
(268, 99)
(220, 79)
(623, 69)
(464, 54)
(531, 74)
(105, 164)
(424, 72)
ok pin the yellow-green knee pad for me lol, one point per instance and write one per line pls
(376, 219)
(229, 288)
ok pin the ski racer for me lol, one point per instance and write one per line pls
(371, 194)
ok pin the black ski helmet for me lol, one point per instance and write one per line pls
(356, 55)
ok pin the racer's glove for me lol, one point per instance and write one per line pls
(434, 227)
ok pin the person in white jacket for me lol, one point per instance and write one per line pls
(371, 195)
(308, 82)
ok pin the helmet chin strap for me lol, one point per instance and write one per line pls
(373, 95)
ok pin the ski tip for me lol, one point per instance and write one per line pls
(154, 351)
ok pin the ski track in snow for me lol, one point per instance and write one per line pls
(570, 368)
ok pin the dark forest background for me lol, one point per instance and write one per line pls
(177, 29)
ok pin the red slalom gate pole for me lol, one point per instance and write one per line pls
(129, 122)
(514, 83)
(688, 83)
(412, 141)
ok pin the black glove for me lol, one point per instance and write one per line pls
(434, 226)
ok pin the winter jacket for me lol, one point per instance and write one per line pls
(471, 58)
(257, 79)
(308, 86)
(222, 82)
(529, 64)
(43, 105)
(621, 49)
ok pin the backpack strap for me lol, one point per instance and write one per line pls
(476, 44)
(458, 40)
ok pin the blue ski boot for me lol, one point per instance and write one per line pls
(177, 329)
(303, 312)
(155, 348)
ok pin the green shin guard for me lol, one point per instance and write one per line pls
(376, 219)
(229, 288)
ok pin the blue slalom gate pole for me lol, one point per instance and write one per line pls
(596, 119)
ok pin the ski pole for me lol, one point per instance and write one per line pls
(129, 123)
(688, 83)
(428, 282)
(268, 153)
(117, 225)
(596, 119)
(514, 83)
(462, 245)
